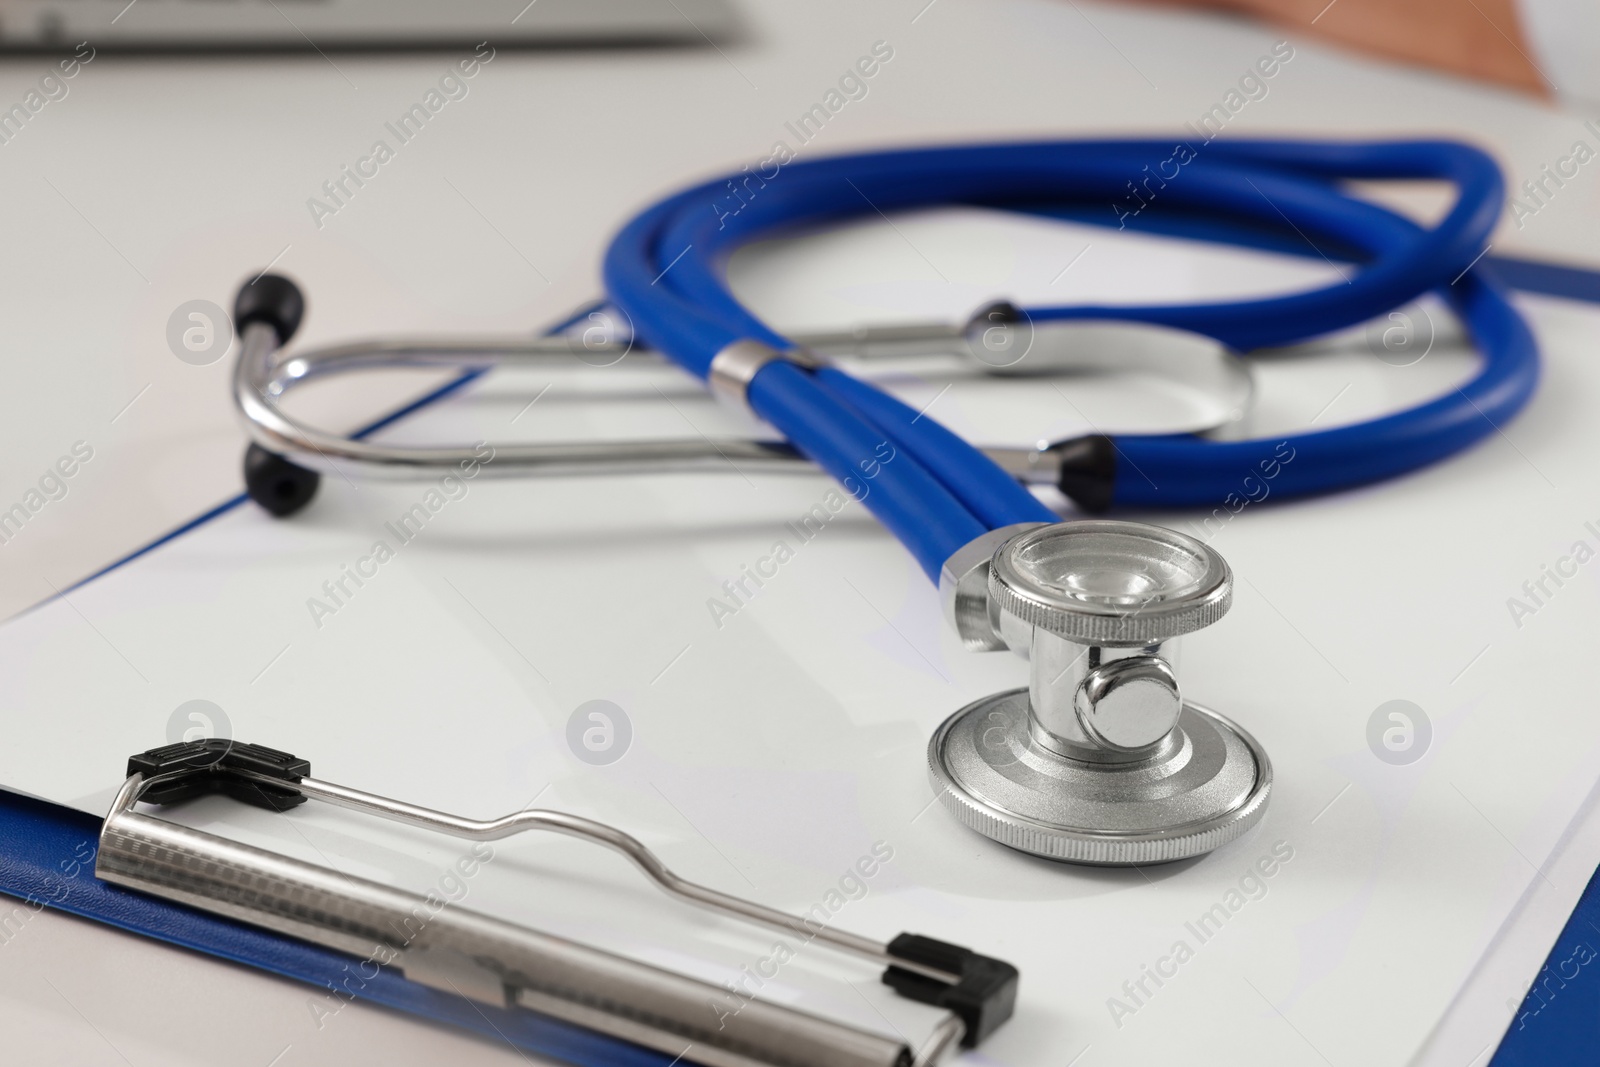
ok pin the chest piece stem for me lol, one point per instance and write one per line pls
(1100, 759)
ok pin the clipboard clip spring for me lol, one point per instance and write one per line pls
(506, 963)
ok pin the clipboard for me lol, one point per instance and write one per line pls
(47, 866)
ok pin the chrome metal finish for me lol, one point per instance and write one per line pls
(1129, 704)
(1103, 581)
(1205, 784)
(263, 376)
(576, 826)
(964, 588)
(1001, 340)
(943, 1042)
(733, 368)
(1097, 607)
(257, 381)
(475, 955)
(1114, 346)
(1077, 711)
(895, 341)
(1100, 759)
(1030, 466)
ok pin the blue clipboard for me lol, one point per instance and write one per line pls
(48, 862)
(47, 858)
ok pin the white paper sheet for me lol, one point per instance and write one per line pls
(772, 751)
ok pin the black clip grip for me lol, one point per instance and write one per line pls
(982, 997)
(211, 766)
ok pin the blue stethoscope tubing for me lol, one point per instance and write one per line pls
(664, 270)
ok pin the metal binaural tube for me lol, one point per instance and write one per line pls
(263, 376)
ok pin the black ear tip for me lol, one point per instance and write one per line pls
(272, 299)
(281, 487)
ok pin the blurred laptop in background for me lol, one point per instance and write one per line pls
(348, 25)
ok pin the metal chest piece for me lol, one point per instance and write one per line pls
(1100, 759)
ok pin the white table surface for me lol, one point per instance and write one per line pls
(153, 183)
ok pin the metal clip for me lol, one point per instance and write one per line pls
(505, 963)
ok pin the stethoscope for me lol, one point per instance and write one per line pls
(1100, 759)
